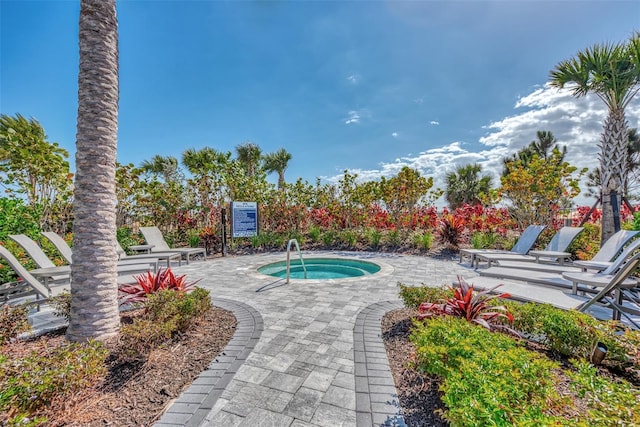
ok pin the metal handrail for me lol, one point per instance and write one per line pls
(304, 268)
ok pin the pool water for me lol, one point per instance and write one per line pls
(321, 268)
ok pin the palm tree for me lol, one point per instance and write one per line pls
(94, 285)
(612, 72)
(542, 147)
(249, 154)
(277, 162)
(165, 166)
(465, 185)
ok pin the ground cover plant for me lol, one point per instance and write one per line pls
(472, 376)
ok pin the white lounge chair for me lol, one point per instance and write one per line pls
(27, 278)
(154, 237)
(555, 252)
(51, 273)
(613, 289)
(567, 279)
(124, 259)
(600, 261)
(524, 244)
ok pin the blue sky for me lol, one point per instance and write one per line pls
(368, 86)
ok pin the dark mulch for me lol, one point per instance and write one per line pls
(137, 393)
(418, 394)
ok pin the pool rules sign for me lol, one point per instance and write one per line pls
(244, 219)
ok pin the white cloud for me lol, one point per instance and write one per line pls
(434, 122)
(394, 134)
(576, 123)
(354, 79)
(353, 117)
(419, 101)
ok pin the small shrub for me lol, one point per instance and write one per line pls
(587, 244)
(423, 241)
(373, 236)
(328, 237)
(13, 321)
(166, 313)
(611, 403)
(481, 240)
(32, 382)
(149, 283)
(349, 238)
(473, 307)
(413, 296)
(393, 238)
(314, 233)
(451, 230)
(61, 305)
(571, 333)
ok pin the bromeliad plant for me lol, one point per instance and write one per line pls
(473, 306)
(149, 283)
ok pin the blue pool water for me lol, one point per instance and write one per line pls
(321, 268)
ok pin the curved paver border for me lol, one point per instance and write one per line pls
(377, 401)
(195, 403)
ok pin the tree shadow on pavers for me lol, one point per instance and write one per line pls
(272, 285)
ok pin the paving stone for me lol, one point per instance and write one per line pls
(332, 416)
(319, 381)
(341, 397)
(263, 418)
(304, 404)
(283, 382)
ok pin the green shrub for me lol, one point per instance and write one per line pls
(36, 380)
(373, 236)
(13, 321)
(569, 332)
(126, 238)
(488, 378)
(611, 403)
(587, 244)
(393, 238)
(423, 241)
(167, 313)
(482, 240)
(413, 296)
(328, 237)
(61, 304)
(314, 233)
(349, 238)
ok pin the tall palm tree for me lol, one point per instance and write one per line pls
(612, 72)
(465, 185)
(94, 285)
(277, 162)
(249, 154)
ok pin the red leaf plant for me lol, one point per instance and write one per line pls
(149, 283)
(470, 305)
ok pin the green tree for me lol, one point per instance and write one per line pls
(542, 147)
(277, 162)
(165, 167)
(466, 185)
(538, 188)
(612, 72)
(94, 281)
(249, 155)
(33, 167)
(402, 193)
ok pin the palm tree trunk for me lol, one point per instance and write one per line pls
(613, 163)
(94, 287)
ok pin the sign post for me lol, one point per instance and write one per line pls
(244, 219)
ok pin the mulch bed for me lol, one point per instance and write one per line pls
(418, 394)
(137, 393)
